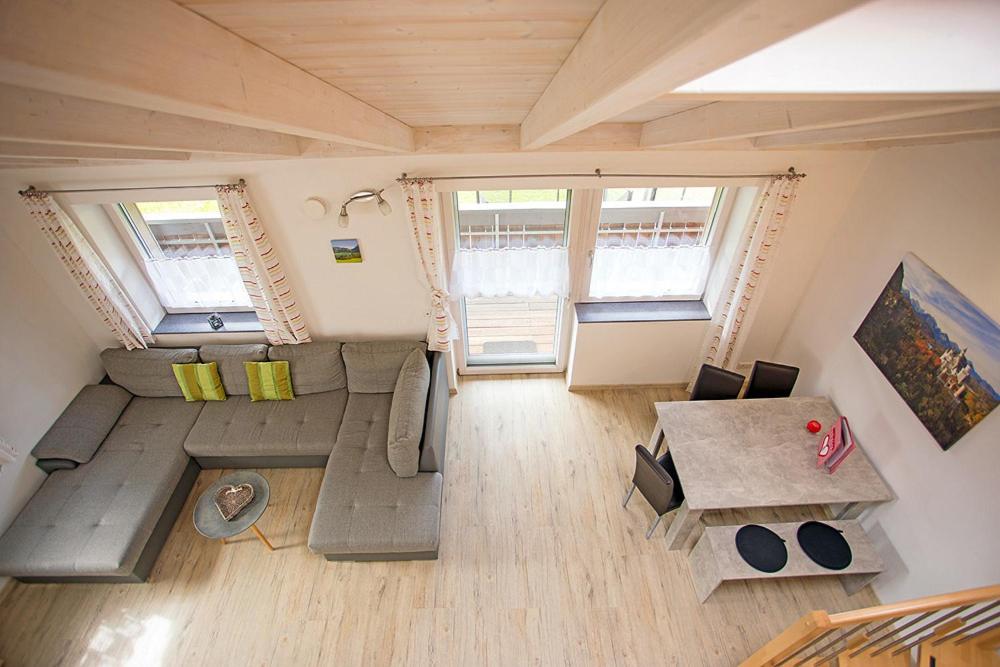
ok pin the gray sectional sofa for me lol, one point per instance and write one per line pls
(124, 455)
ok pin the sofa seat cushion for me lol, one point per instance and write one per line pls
(363, 506)
(84, 424)
(305, 426)
(95, 519)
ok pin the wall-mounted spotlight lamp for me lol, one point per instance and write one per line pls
(364, 195)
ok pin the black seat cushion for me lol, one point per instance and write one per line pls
(825, 545)
(761, 548)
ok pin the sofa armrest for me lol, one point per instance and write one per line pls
(81, 428)
(51, 465)
(432, 447)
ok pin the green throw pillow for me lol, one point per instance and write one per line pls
(199, 382)
(269, 380)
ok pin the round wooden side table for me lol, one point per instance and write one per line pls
(208, 520)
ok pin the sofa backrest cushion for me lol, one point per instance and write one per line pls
(315, 367)
(229, 361)
(147, 373)
(406, 414)
(373, 366)
(79, 431)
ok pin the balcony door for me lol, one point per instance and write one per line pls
(511, 331)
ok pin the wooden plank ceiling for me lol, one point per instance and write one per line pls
(85, 82)
(426, 62)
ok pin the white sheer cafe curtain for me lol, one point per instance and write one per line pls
(198, 282)
(737, 305)
(520, 272)
(649, 271)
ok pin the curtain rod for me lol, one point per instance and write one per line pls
(33, 190)
(597, 173)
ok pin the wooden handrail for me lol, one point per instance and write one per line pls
(815, 624)
(917, 606)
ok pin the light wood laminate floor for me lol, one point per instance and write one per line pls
(539, 565)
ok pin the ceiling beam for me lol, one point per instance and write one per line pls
(636, 50)
(155, 54)
(969, 122)
(737, 120)
(17, 149)
(34, 116)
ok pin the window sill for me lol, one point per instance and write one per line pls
(641, 311)
(197, 323)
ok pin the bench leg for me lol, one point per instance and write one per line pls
(681, 527)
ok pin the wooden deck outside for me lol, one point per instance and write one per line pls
(512, 325)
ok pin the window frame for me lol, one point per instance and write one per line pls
(139, 239)
(582, 261)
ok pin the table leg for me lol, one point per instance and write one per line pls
(851, 511)
(260, 536)
(682, 525)
(656, 440)
(223, 540)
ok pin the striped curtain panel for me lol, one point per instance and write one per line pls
(263, 277)
(759, 241)
(428, 244)
(89, 271)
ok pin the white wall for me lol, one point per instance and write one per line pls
(941, 203)
(46, 358)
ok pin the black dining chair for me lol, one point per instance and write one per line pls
(716, 384)
(769, 380)
(657, 482)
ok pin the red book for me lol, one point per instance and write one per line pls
(829, 445)
(845, 449)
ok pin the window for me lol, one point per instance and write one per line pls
(653, 242)
(184, 250)
(500, 329)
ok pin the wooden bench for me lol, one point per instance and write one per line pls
(715, 558)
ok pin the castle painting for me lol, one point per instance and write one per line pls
(939, 351)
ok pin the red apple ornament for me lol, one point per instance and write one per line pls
(813, 426)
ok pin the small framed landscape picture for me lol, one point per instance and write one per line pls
(346, 251)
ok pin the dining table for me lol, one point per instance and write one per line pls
(758, 453)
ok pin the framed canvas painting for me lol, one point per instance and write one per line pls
(346, 251)
(939, 350)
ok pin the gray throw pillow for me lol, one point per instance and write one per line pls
(406, 414)
(79, 431)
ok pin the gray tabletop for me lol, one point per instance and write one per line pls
(758, 453)
(208, 520)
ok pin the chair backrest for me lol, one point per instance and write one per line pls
(653, 481)
(770, 380)
(716, 384)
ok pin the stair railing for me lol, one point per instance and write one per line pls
(818, 638)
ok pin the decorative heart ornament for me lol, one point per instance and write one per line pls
(232, 499)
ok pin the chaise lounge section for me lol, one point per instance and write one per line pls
(125, 454)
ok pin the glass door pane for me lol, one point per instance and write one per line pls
(511, 330)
